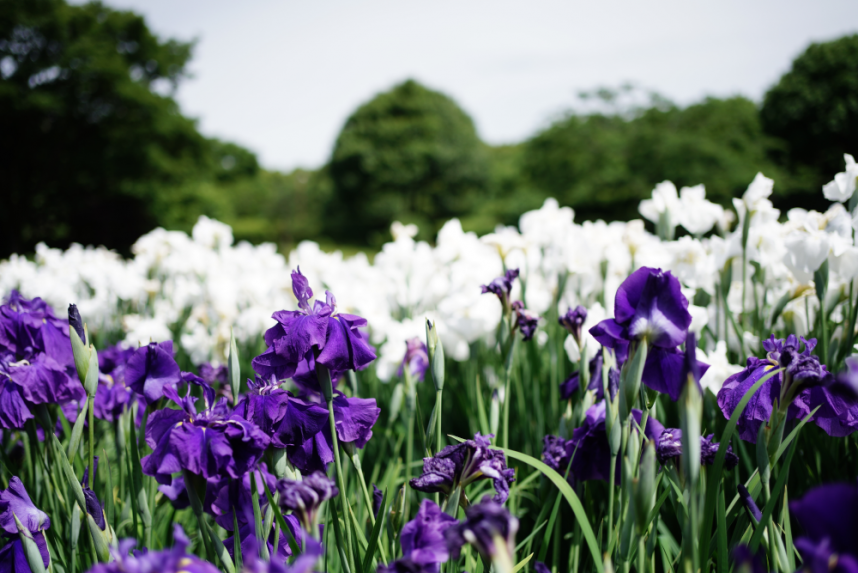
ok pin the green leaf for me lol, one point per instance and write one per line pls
(257, 519)
(108, 498)
(376, 530)
(571, 498)
(522, 563)
(770, 506)
(338, 533)
(236, 541)
(278, 515)
(233, 367)
(77, 430)
(715, 475)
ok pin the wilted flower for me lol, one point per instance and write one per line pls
(172, 560)
(212, 443)
(489, 527)
(333, 339)
(805, 389)
(525, 320)
(151, 368)
(502, 287)
(573, 321)
(828, 516)
(306, 496)
(650, 306)
(461, 464)
(669, 446)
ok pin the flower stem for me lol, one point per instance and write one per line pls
(507, 388)
(438, 432)
(367, 499)
(91, 441)
(611, 488)
(341, 483)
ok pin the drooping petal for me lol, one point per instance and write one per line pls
(151, 368)
(15, 501)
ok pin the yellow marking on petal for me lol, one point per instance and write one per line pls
(185, 561)
(179, 424)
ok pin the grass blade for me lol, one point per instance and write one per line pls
(770, 506)
(372, 543)
(714, 476)
(278, 515)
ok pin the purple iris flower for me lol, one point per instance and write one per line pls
(287, 420)
(650, 305)
(570, 386)
(502, 286)
(828, 516)
(249, 544)
(588, 449)
(668, 446)
(416, 359)
(151, 368)
(486, 524)
(424, 546)
(16, 502)
(212, 443)
(354, 419)
(749, 503)
(28, 327)
(310, 553)
(166, 561)
(305, 497)
(332, 339)
(236, 494)
(746, 562)
(806, 388)
(377, 498)
(214, 374)
(465, 463)
(573, 321)
(176, 492)
(525, 320)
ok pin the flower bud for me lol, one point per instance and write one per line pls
(31, 549)
(436, 355)
(80, 350)
(644, 495)
(690, 414)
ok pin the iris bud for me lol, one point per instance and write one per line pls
(644, 498)
(436, 355)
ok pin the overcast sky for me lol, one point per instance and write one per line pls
(280, 77)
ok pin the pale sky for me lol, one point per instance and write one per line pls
(281, 77)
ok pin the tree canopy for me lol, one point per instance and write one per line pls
(409, 153)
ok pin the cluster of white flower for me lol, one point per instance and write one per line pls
(195, 288)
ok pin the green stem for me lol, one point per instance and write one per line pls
(507, 389)
(341, 483)
(91, 441)
(409, 456)
(611, 477)
(641, 555)
(367, 499)
(438, 432)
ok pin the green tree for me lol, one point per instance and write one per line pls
(410, 154)
(603, 164)
(94, 149)
(814, 109)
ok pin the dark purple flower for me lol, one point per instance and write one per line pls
(669, 446)
(502, 286)
(377, 498)
(212, 443)
(650, 305)
(14, 411)
(486, 523)
(416, 359)
(113, 398)
(553, 452)
(525, 320)
(113, 358)
(214, 374)
(465, 463)
(235, 494)
(333, 339)
(588, 449)
(846, 383)
(250, 546)
(820, 557)
(30, 327)
(570, 386)
(837, 414)
(573, 321)
(93, 506)
(541, 567)
(828, 515)
(13, 558)
(311, 550)
(287, 420)
(76, 322)
(15, 500)
(177, 494)
(171, 560)
(747, 562)
(749, 503)
(354, 419)
(423, 537)
(305, 497)
(151, 368)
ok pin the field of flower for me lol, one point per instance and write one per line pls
(552, 397)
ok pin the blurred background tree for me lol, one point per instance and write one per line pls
(410, 154)
(97, 151)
